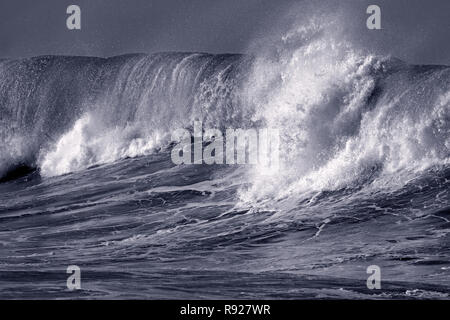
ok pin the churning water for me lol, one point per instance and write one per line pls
(87, 177)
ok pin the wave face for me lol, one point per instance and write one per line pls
(66, 113)
(340, 113)
(363, 177)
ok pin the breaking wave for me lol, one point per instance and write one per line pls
(86, 175)
(345, 117)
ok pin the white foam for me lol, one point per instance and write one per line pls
(316, 89)
(90, 142)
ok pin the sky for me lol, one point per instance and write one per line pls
(416, 31)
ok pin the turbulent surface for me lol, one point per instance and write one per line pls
(87, 177)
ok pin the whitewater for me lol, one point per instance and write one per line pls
(87, 178)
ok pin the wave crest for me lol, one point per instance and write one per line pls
(346, 117)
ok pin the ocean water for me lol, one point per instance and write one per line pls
(87, 177)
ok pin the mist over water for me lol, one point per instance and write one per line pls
(363, 175)
(348, 116)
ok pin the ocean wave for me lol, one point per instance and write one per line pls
(345, 116)
(63, 114)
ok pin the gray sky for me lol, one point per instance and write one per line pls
(417, 31)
